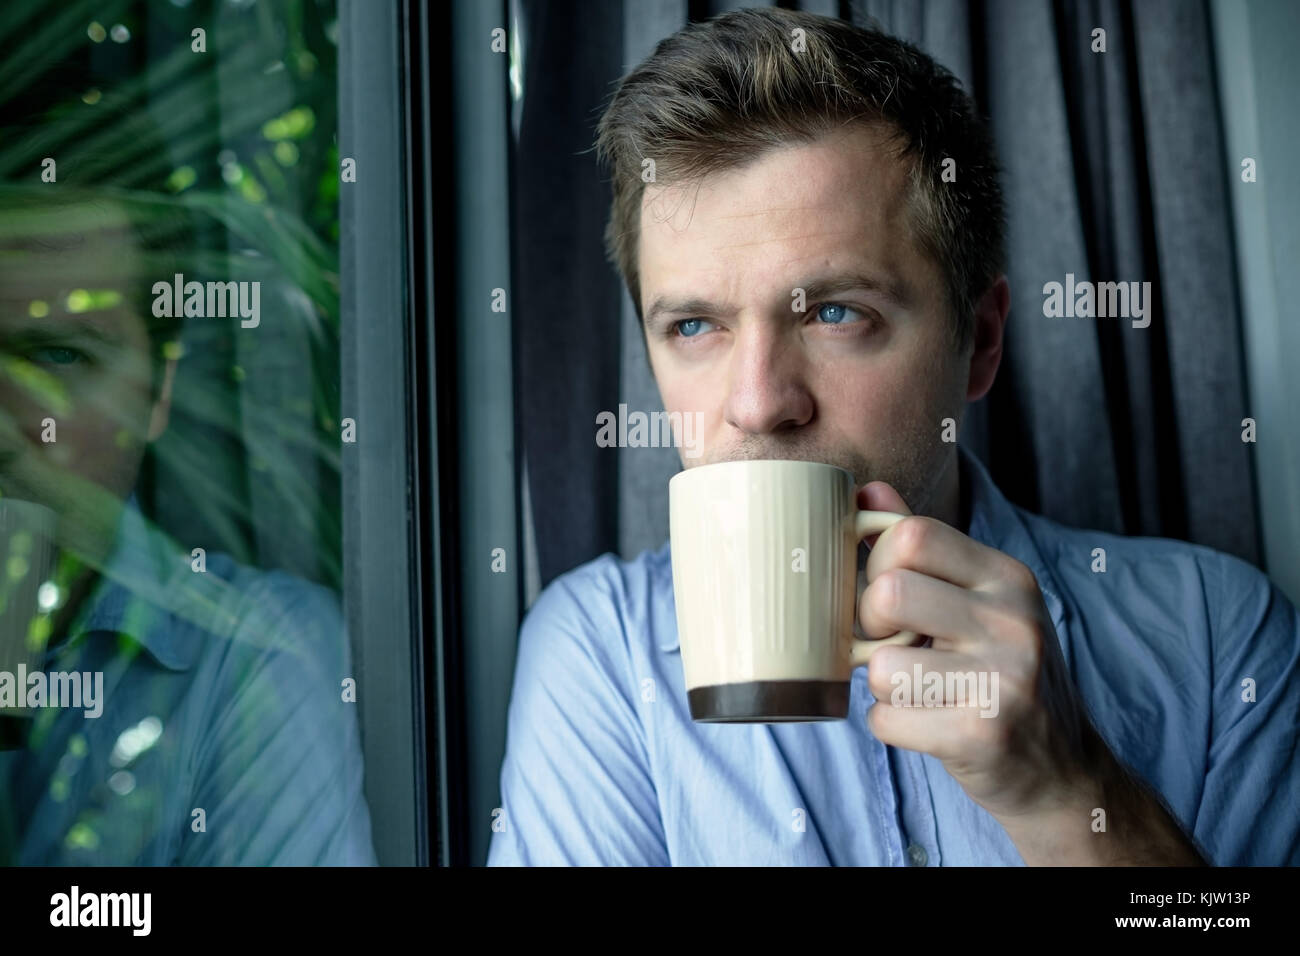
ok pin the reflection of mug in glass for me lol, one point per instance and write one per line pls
(764, 557)
(27, 596)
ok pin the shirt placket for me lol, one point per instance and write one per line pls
(884, 804)
(918, 832)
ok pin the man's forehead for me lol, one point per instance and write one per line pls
(24, 273)
(65, 268)
(44, 265)
(841, 199)
(859, 162)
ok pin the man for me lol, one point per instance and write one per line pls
(798, 155)
(222, 735)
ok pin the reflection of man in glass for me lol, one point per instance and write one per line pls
(224, 737)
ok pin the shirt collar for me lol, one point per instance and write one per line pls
(994, 521)
(134, 591)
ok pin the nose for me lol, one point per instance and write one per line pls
(766, 391)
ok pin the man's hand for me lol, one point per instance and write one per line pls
(1035, 762)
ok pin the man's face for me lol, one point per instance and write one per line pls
(74, 367)
(864, 377)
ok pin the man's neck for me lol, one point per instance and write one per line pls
(964, 496)
(951, 502)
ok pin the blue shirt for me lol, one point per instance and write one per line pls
(222, 694)
(598, 772)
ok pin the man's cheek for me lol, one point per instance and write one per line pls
(697, 419)
(76, 445)
(98, 449)
(870, 398)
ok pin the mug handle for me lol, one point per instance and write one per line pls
(865, 523)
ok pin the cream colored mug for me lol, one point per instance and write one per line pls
(765, 572)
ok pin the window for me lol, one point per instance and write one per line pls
(205, 471)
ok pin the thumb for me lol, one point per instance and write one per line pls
(880, 496)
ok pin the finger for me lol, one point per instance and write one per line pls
(880, 496)
(936, 731)
(929, 678)
(931, 547)
(916, 722)
(904, 600)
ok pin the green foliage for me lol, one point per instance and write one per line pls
(240, 143)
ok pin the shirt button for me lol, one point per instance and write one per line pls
(916, 855)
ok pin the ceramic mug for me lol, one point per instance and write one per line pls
(764, 559)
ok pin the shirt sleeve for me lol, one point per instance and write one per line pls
(1249, 813)
(575, 782)
(279, 775)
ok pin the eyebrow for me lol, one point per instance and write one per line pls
(816, 288)
(66, 328)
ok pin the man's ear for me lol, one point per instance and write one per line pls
(162, 406)
(990, 321)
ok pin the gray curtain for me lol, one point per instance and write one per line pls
(1113, 171)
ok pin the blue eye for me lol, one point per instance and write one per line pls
(838, 313)
(689, 328)
(56, 355)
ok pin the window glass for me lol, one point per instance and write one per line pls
(176, 679)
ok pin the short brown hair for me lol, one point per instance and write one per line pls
(718, 94)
